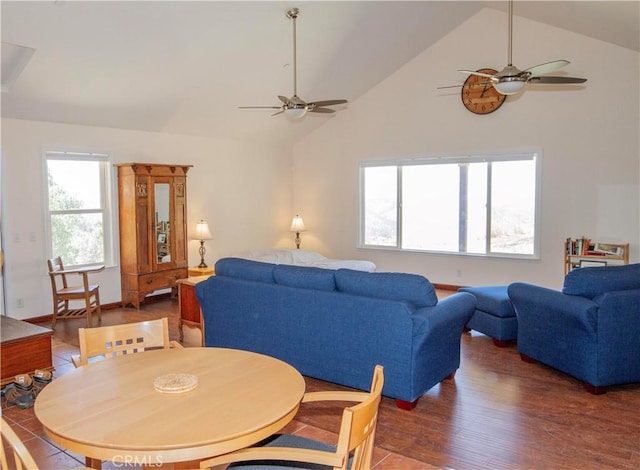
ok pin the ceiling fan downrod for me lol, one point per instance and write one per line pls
(509, 62)
(292, 14)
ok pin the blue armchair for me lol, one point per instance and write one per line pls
(590, 330)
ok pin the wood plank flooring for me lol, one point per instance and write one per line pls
(498, 413)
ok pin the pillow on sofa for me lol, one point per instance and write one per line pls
(590, 282)
(245, 269)
(304, 277)
(392, 286)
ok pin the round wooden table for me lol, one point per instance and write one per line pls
(110, 410)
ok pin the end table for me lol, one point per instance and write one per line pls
(201, 271)
(190, 312)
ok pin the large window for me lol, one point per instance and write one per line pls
(484, 204)
(79, 207)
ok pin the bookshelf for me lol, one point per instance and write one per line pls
(581, 252)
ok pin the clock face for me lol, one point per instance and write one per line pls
(478, 94)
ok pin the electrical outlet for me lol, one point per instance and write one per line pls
(20, 303)
(458, 273)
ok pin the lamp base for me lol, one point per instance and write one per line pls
(298, 240)
(202, 251)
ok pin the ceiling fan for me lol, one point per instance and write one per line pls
(510, 80)
(295, 107)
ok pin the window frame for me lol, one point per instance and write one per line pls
(107, 206)
(519, 155)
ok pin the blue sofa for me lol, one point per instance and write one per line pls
(590, 330)
(336, 325)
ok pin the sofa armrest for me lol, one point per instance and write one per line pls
(540, 304)
(451, 312)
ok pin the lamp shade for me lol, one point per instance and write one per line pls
(202, 231)
(297, 224)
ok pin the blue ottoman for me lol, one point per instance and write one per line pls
(494, 315)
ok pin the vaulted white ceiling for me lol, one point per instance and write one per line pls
(185, 67)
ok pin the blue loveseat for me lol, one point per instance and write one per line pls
(336, 325)
(590, 330)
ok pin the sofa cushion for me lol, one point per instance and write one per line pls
(245, 269)
(591, 282)
(405, 287)
(304, 277)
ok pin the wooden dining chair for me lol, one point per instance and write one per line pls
(353, 450)
(13, 453)
(118, 340)
(64, 293)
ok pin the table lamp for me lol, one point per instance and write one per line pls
(297, 226)
(202, 233)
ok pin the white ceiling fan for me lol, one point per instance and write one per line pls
(510, 80)
(295, 107)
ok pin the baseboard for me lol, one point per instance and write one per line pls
(47, 318)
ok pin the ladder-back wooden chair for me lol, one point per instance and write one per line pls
(118, 340)
(64, 293)
(355, 441)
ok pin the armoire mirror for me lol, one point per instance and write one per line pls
(163, 223)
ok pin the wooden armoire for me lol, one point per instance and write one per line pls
(152, 202)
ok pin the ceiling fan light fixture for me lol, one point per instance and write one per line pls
(295, 113)
(509, 87)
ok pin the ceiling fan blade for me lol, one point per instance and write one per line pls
(279, 112)
(557, 80)
(490, 82)
(546, 68)
(284, 99)
(328, 102)
(322, 110)
(480, 74)
(259, 107)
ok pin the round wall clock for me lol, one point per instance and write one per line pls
(478, 94)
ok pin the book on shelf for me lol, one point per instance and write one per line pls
(584, 246)
(579, 246)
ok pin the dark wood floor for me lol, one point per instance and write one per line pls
(498, 412)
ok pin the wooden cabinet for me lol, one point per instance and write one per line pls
(583, 252)
(153, 231)
(24, 348)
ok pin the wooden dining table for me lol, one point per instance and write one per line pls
(110, 410)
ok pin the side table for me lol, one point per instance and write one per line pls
(190, 313)
(201, 272)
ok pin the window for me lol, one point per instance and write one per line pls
(78, 207)
(485, 205)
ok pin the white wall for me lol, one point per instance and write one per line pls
(589, 139)
(242, 190)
